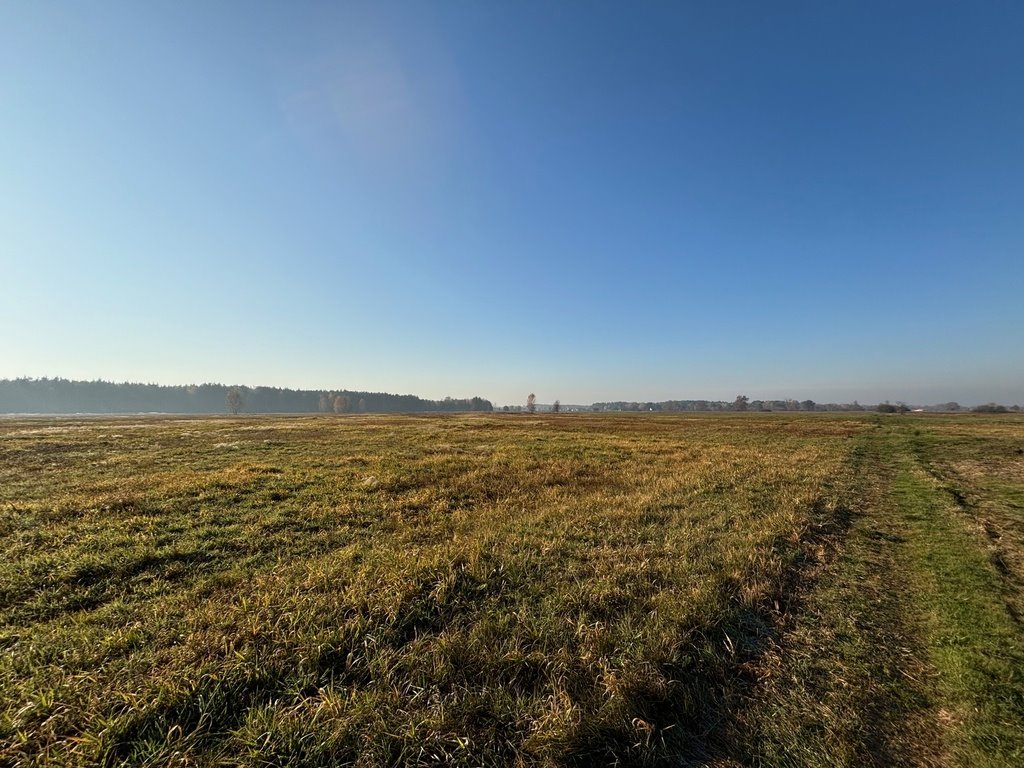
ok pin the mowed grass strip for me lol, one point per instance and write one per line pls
(907, 648)
(962, 491)
(478, 590)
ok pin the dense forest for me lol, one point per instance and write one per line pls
(63, 396)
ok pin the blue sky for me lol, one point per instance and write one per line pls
(591, 201)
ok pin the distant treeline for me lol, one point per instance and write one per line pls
(743, 403)
(64, 396)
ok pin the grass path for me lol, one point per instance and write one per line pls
(906, 651)
(974, 641)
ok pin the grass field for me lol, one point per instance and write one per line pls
(743, 589)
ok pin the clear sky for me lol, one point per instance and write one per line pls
(591, 201)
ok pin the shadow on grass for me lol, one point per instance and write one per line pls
(688, 708)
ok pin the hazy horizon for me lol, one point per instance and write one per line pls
(545, 400)
(641, 203)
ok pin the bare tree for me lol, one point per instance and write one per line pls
(531, 403)
(340, 404)
(556, 406)
(234, 400)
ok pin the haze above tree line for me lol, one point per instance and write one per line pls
(57, 395)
